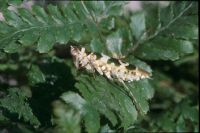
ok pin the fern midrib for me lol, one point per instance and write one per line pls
(23, 30)
(34, 27)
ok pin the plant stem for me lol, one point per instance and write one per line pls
(133, 98)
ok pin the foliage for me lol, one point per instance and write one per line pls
(15, 102)
(40, 84)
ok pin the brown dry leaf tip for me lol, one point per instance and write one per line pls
(101, 65)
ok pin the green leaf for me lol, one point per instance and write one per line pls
(91, 117)
(166, 15)
(142, 91)
(92, 120)
(181, 21)
(46, 41)
(49, 26)
(66, 119)
(16, 102)
(114, 43)
(3, 4)
(40, 14)
(109, 114)
(106, 129)
(138, 63)
(35, 75)
(12, 47)
(69, 13)
(96, 45)
(53, 26)
(152, 18)
(15, 2)
(29, 38)
(62, 35)
(72, 98)
(183, 31)
(77, 31)
(107, 24)
(167, 124)
(4, 28)
(94, 90)
(164, 49)
(55, 14)
(27, 16)
(96, 7)
(138, 26)
(180, 125)
(189, 112)
(114, 8)
(6, 66)
(117, 102)
(13, 19)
